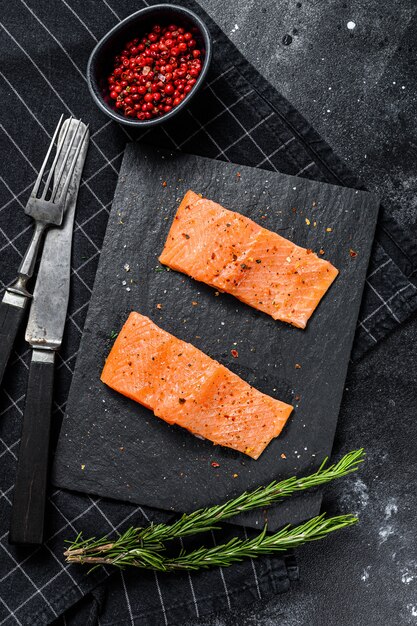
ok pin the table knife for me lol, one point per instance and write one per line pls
(44, 333)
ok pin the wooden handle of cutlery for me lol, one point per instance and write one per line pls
(10, 319)
(28, 511)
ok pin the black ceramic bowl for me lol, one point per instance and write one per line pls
(100, 63)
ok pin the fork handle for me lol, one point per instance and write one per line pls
(28, 262)
(12, 311)
(28, 510)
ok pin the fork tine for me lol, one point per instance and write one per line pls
(63, 164)
(74, 161)
(54, 162)
(42, 170)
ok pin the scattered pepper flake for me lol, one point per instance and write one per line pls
(164, 184)
(215, 464)
(216, 293)
(234, 353)
(307, 221)
(297, 366)
(159, 305)
(238, 174)
(283, 456)
(321, 251)
(194, 303)
(121, 449)
(294, 210)
(314, 203)
(353, 254)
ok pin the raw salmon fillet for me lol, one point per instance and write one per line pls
(234, 254)
(184, 386)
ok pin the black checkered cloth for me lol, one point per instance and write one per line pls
(238, 117)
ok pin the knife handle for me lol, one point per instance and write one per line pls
(12, 311)
(28, 510)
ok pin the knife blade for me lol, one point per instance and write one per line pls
(48, 311)
(44, 333)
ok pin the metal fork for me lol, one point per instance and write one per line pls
(47, 209)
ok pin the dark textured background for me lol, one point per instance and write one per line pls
(358, 88)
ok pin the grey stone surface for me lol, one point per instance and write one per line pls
(358, 87)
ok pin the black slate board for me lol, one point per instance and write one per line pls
(113, 447)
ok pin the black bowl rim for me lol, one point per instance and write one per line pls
(167, 116)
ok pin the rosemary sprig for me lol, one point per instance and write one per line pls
(129, 552)
(236, 549)
(147, 543)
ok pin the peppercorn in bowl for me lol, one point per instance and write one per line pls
(148, 67)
